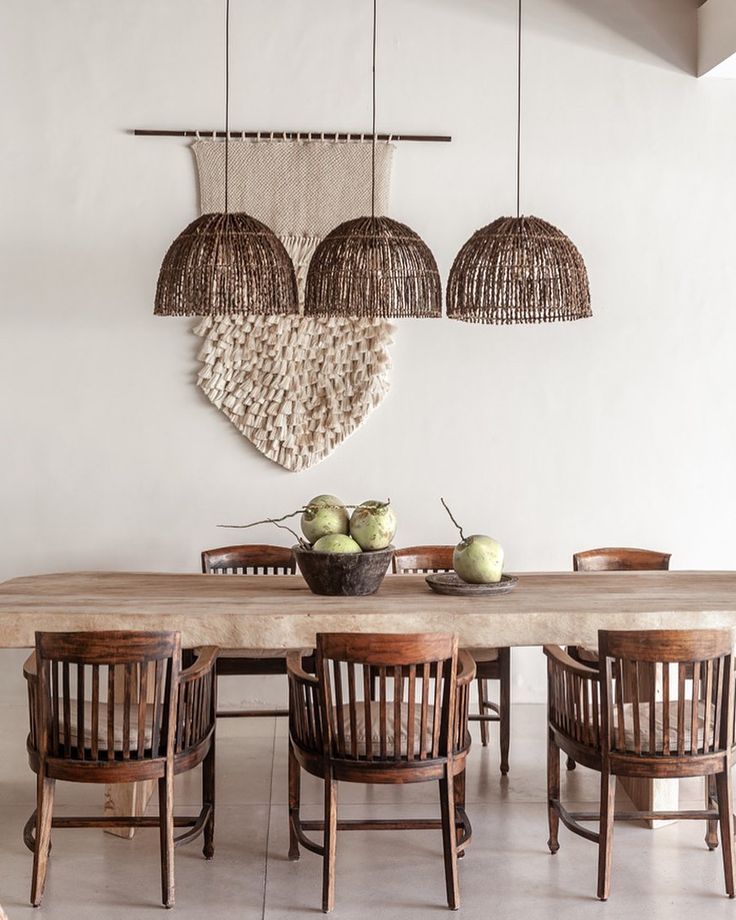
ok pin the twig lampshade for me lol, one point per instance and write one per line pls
(518, 270)
(373, 267)
(224, 264)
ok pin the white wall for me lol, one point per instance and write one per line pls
(616, 430)
(717, 38)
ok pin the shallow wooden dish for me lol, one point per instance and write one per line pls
(451, 583)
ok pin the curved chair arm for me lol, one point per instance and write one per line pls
(204, 662)
(294, 668)
(30, 668)
(573, 698)
(463, 682)
(305, 714)
(196, 701)
(558, 658)
(465, 668)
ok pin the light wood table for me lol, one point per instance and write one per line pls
(251, 612)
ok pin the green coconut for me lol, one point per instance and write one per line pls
(373, 525)
(325, 514)
(478, 560)
(336, 543)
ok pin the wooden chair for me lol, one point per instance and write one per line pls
(250, 559)
(687, 731)
(490, 663)
(116, 707)
(415, 730)
(612, 559)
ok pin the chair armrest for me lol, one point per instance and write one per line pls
(465, 668)
(294, 669)
(30, 668)
(204, 662)
(559, 658)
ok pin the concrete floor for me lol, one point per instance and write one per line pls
(508, 872)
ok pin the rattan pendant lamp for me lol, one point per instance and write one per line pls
(373, 267)
(518, 269)
(226, 263)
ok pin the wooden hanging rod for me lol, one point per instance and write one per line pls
(295, 135)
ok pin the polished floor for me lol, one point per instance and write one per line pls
(508, 871)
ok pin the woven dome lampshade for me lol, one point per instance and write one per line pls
(373, 267)
(225, 264)
(518, 270)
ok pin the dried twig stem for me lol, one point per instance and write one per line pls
(444, 504)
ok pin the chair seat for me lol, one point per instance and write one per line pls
(484, 654)
(659, 726)
(118, 714)
(361, 734)
(588, 655)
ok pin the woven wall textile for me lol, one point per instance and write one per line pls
(295, 386)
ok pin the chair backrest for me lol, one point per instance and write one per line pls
(619, 559)
(387, 698)
(414, 560)
(666, 693)
(249, 559)
(106, 696)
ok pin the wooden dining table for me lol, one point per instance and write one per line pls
(279, 612)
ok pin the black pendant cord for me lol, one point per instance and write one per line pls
(227, 98)
(373, 142)
(518, 118)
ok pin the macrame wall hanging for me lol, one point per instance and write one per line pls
(295, 386)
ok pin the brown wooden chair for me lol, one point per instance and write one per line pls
(612, 559)
(116, 707)
(414, 730)
(250, 559)
(687, 731)
(491, 663)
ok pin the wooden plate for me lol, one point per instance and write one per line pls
(451, 583)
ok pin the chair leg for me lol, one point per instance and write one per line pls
(482, 697)
(605, 843)
(505, 707)
(330, 842)
(571, 763)
(711, 801)
(553, 792)
(208, 798)
(725, 810)
(459, 793)
(44, 812)
(166, 828)
(449, 840)
(294, 803)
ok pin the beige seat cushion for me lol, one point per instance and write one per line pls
(484, 654)
(259, 652)
(659, 725)
(102, 726)
(360, 728)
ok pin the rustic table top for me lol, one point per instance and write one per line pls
(274, 611)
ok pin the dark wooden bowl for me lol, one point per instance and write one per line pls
(344, 574)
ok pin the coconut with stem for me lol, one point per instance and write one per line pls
(477, 559)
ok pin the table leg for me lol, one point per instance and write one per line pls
(127, 799)
(652, 795)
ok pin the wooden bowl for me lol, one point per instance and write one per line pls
(343, 574)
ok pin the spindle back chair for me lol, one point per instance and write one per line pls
(250, 559)
(661, 705)
(411, 728)
(116, 707)
(612, 559)
(490, 663)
